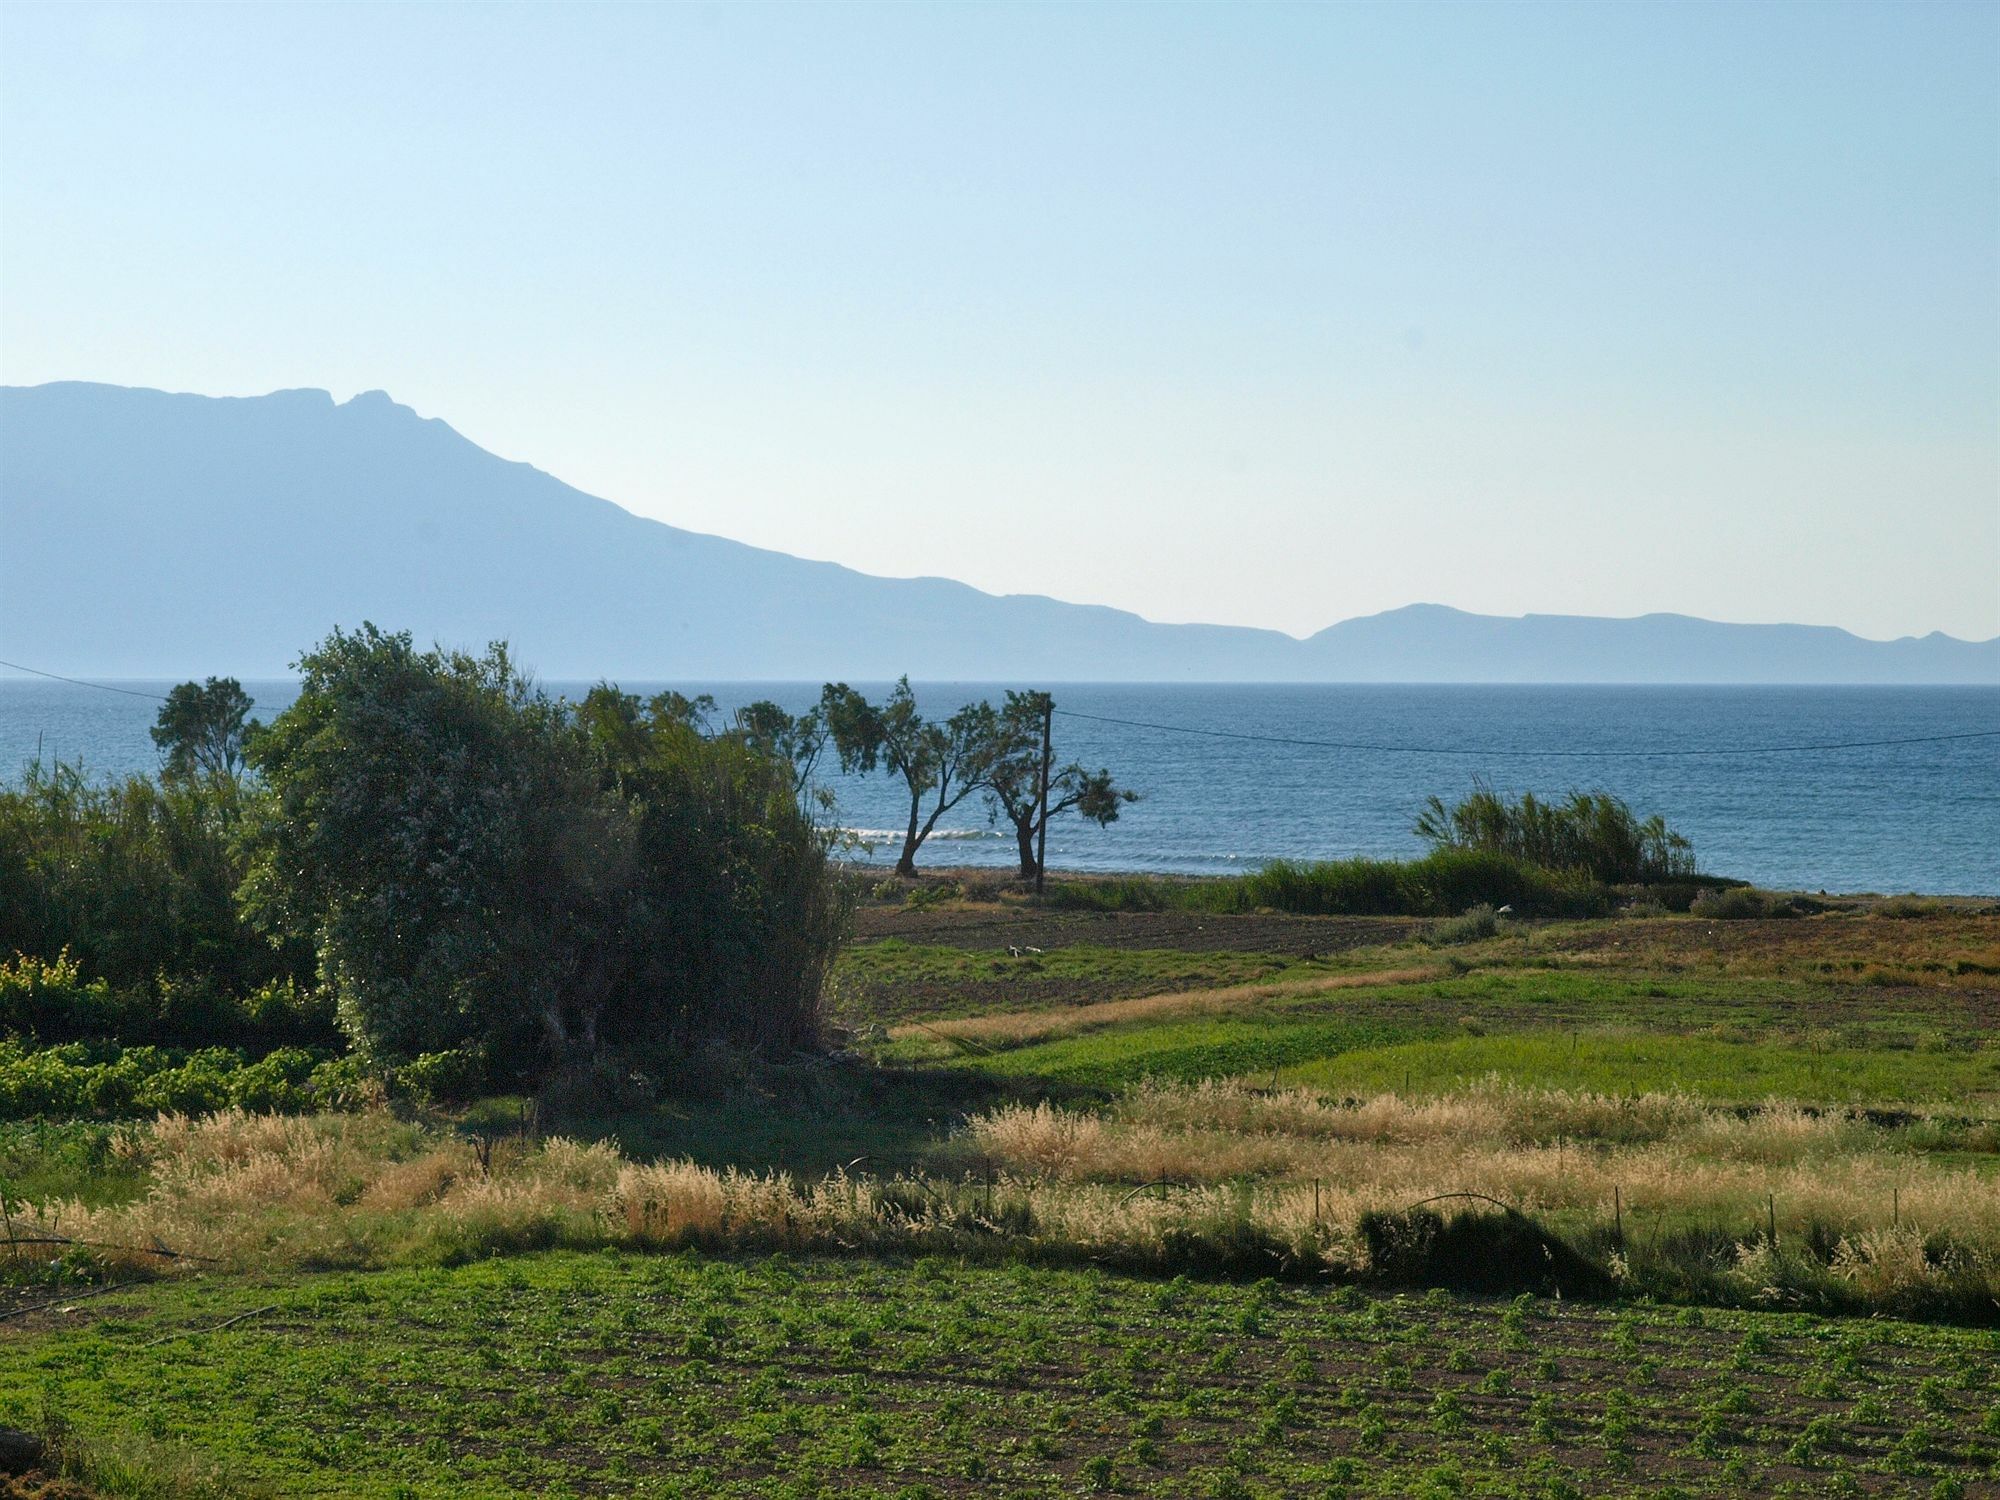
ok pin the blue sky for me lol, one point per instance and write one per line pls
(1266, 315)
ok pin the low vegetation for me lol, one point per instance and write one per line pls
(1665, 1195)
(136, 880)
(793, 1375)
(1662, 1194)
(1447, 882)
(1443, 883)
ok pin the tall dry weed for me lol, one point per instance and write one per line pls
(1170, 1176)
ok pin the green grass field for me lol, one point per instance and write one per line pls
(680, 1375)
(1630, 1061)
(1205, 1048)
(1729, 1038)
(891, 980)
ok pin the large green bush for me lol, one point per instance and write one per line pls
(431, 829)
(485, 871)
(735, 913)
(1739, 903)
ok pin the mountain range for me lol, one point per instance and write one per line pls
(147, 534)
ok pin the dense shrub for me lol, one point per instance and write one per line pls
(1674, 895)
(441, 1077)
(736, 912)
(1478, 1252)
(1478, 924)
(1450, 880)
(1593, 833)
(135, 879)
(1906, 907)
(1742, 902)
(49, 1001)
(487, 872)
(427, 827)
(1348, 885)
(1443, 883)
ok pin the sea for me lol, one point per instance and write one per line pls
(1843, 789)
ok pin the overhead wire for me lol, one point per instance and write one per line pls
(102, 687)
(1482, 752)
(1360, 746)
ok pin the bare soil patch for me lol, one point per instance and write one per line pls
(997, 926)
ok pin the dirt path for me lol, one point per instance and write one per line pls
(1018, 1028)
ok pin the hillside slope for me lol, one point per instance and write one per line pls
(154, 535)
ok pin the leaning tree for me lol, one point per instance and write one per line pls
(940, 763)
(1027, 788)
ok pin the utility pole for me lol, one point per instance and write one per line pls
(1042, 797)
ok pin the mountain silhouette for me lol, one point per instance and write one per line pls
(147, 534)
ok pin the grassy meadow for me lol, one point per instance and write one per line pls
(1122, 1196)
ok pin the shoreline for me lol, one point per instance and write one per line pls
(993, 882)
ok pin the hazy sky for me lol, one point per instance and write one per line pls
(1267, 316)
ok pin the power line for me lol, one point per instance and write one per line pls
(1279, 739)
(1478, 752)
(102, 687)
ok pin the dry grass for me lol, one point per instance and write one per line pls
(1659, 1157)
(1020, 1028)
(1287, 1174)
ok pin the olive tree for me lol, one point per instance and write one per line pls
(434, 825)
(939, 763)
(485, 869)
(1027, 788)
(786, 739)
(202, 727)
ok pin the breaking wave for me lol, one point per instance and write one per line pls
(886, 835)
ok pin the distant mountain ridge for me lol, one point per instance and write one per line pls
(147, 534)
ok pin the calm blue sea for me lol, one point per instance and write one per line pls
(1922, 817)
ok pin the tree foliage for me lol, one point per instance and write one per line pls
(939, 763)
(1014, 781)
(732, 913)
(432, 829)
(202, 729)
(484, 869)
(796, 741)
